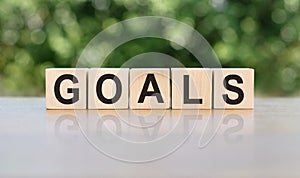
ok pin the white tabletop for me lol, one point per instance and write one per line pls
(35, 142)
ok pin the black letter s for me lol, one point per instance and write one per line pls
(233, 89)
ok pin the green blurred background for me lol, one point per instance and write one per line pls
(261, 34)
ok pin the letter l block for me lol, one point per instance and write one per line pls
(191, 88)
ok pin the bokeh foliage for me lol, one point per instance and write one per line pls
(37, 34)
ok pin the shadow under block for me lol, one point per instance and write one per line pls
(66, 88)
(150, 88)
(233, 88)
(191, 88)
(108, 88)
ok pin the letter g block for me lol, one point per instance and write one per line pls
(66, 88)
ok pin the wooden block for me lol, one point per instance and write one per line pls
(191, 88)
(108, 88)
(66, 88)
(233, 88)
(150, 88)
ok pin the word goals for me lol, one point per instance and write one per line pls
(149, 88)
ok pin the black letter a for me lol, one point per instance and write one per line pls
(156, 92)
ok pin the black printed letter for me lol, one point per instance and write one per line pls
(186, 91)
(156, 92)
(118, 89)
(233, 89)
(75, 91)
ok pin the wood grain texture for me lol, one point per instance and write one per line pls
(108, 88)
(137, 81)
(199, 83)
(246, 85)
(51, 77)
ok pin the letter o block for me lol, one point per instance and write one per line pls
(108, 88)
(233, 88)
(66, 88)
(150, 88)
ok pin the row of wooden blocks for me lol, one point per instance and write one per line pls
(149, 88)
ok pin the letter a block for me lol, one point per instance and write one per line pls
(191, 88)
(233, 88)
(66, 88)
(150, 88)
(108, 88)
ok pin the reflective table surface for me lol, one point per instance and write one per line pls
(264, 142)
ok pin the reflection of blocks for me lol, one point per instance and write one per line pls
(108, 88)
(233, 88)
(236, 121)
(149, 88)
(191, 88)
(65, 124)
(66, 88)
(105, 122)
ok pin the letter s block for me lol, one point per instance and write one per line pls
(66, 88)
(233, 88)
